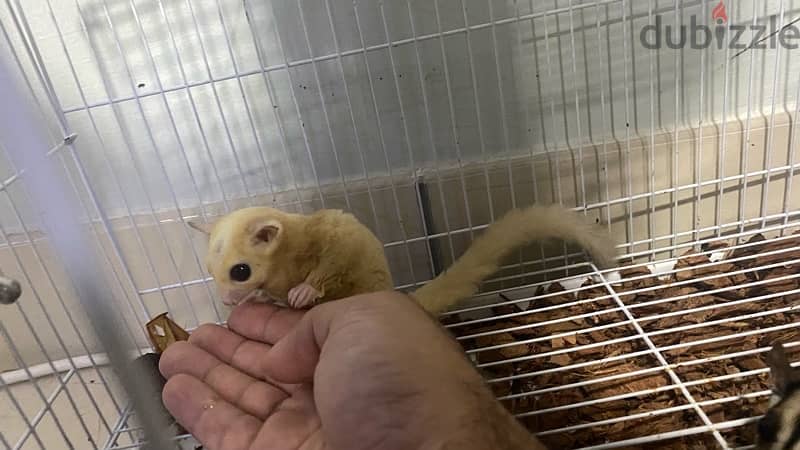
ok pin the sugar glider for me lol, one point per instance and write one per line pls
(265, 254)
(779, 429)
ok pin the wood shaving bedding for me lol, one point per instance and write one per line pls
(716, 303)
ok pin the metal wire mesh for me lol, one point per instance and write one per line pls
(427, 120)
(633, 353)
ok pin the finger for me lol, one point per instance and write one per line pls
(293, 358)
(213, 421)
(263, 322)
(243, 354)
(247, 393)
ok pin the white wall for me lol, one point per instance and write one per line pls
(137, 160)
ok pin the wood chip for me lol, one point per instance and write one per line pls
(512, 351)
(632, 272)
(692, 258)
(749, 249)
(714, 246)
(506, 310)
(785, 278)
(687, 269)
(668, 322)
(767, 260)
(692, 293)
(750, 363)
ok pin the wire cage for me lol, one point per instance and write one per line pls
(671, 121)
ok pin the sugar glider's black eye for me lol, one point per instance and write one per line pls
(240, 272)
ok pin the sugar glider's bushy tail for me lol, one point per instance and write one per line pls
(515, 230)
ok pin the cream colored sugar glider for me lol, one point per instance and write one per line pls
(264, 254)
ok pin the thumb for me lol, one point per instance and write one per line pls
(294, 357)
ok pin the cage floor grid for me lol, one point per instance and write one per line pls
(669, 354)
(664, 354)
(129, 435)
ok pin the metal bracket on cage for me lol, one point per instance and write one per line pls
(10, 290)
(424, 198)
(68, 140)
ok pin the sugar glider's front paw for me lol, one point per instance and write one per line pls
(303, 296)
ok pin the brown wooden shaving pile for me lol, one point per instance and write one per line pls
(538, 342)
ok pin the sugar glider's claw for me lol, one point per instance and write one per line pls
(303, 296)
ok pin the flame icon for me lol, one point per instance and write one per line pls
(719, 13)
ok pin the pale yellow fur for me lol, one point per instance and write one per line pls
(338, 256)
(516, 229)
(330, 250)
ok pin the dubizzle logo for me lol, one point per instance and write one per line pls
(719, 13)
(766, 33)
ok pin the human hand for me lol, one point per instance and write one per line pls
(373, 371)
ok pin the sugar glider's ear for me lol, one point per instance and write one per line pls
(265, 231)
(782, 374)
(204, 228)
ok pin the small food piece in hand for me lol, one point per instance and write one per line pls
(303, 296)
(163, 332)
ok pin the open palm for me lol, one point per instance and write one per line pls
(367, 372)
(219, 391)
